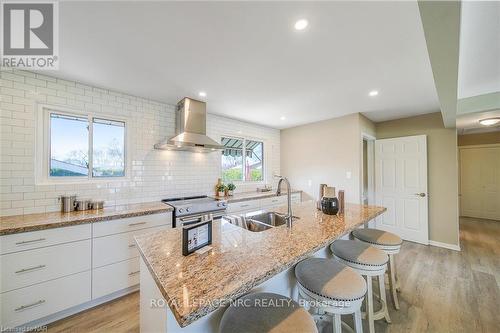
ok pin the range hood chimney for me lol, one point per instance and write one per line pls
(190, 129)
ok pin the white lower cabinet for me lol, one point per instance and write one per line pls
(111, 278)
(248, 206)
(114, 248)
(31, 303)
(22, 269)
(45, 272)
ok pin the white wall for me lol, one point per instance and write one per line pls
(154, 174)
(323, 153)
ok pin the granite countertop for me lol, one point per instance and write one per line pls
(244, 196)
(33, 222)
(239, 260)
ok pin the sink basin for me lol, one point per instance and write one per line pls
(256, 226)
(272, 219)
(265, 221)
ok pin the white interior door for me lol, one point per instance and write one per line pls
(401, 186)
(480, 182)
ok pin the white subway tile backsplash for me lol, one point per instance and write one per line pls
(154, 174)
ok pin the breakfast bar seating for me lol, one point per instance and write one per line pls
(331, 287)
(266, 313)
(391, 245)
(369, 262)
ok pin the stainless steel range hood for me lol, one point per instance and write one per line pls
(190, 129)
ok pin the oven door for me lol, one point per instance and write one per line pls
(198, 218)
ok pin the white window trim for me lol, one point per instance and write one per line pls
(264, 162)
(42, 147)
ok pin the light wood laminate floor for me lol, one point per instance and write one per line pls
(441, 290)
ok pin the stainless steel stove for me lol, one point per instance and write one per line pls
(190, 210)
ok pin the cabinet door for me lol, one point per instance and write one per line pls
(273, 201)
(23, 305)
(26, 268)
(115, 277)
(130, 224)
(243, 206)
(34, 239)
(118, 247)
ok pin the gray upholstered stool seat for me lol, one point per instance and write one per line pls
(389, 243)
(332, 288)
(377, 237)
(358, 253)
(330, 279)
(266, 312)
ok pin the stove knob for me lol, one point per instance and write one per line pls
(181, 210)
(188, 209)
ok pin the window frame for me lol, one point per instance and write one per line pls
(245, 139)
(43, 146)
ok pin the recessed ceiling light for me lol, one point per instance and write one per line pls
(282, 117)
(490, 121)
(202, 94)
(373, 93)
(301, 24)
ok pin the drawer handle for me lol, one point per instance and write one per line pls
(131, 245)
(24, 270)
(133, 273)
(30, 241)
(244, 205)
(134, 224)
(24, 307)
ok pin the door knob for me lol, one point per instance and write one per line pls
(420, 194)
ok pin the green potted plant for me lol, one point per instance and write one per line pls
(221, 189)
(230, 188)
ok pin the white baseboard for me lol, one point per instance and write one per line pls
(445, 245)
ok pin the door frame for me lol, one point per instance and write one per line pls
(370, 154)
(460, 148)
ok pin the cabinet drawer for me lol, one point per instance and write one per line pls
(296, 197)
(113, 248)
(114, 277)
(27, 304)
(130, 224)
(273, 201)
(243, 205)
(35, 239)
(25, 268)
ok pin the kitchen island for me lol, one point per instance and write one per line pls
(189, 293)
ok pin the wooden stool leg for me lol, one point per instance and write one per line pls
(337, 323)
(381, 286)
(392, 282)
(369, 305)
(358, 326)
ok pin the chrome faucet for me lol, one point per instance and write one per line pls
(289, 216)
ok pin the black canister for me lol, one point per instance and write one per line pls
(330, 206)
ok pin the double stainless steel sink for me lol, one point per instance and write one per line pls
(265, 221)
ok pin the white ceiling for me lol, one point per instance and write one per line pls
(251, 62)
(479, 66)
(469, 123)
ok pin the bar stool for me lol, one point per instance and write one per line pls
(331, 287)
(390, 244)
(266, 312)
(369, 262)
